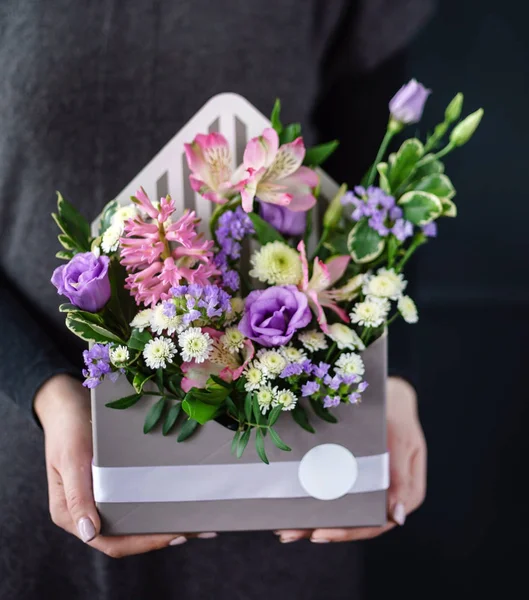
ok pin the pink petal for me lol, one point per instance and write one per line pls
(302, 177)
(260, 151)
(326, 301)
(145, 203)
(304, 265)
(287, 160)
(318, 309)
(320, 279)
(302, 203)
(336, 267)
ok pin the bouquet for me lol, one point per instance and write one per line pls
(215, 336)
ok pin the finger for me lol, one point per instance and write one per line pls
(418, 477)
(400, 484)
(57, 502)
(77, 481)
(322, 536)
(292, 535)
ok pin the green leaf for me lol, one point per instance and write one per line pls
(172, 416)
(174, 383)
(308, 226)
(232, 408)
(125, 402)
(300, 416)
(90, 332)
(259, 417)
(259, 446)
(382, 169)
(420, 207)
(219, 381)
(278, 442)
(138, 339)
(274, 415)
(159, 380)
(74, 224)
(248, 406)
(235, 442)
(68, 307)
(140, 379)
(405, 160)
(430, 168)
(121, 303)
(437, 184)
(213, 396)
(364, 243)
(198, 410)
(188, 428)
(67, 242)
(274, 117)
(449, 208)
(317, 155)
(243, 442)
(321, 411)
(264, 231)
(64, 254)
(154, 415)
(106, 216)
(290, 133)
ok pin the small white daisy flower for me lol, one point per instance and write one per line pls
(372, 312)
(232, 339)
(286, 399)
(195, 345)
(266, 396)
(349, 363)
(237, 308)
(313, 340)
(119, 355)
(110, 239)
(276, 263)
(254, 376)
(272, 362)
(385, 284)
(142, 320)
(158, 352)
(293, 355)
(345, 337)
(408, 310)
(160, 322)
(123, 214)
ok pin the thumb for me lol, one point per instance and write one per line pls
(77, 481)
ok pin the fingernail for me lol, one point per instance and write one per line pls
(277, 533)
(207, 536)
(287, 540)
(178, 540)
(86, 529)
(319, 540)
(399, 513)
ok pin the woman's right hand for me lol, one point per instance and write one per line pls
(63, 406)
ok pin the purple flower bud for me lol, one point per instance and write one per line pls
(407, 104)
(430, 229)
(286, 221)
(84, 281)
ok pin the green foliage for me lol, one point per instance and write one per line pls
(90, 331)
(243, 442)
(138, 339)
(364, 243)
(171, 418)
(259, 446)
(290, 133)
(278, 442)
(322, 412)
(264, 232)
(154, 415)
(382, 169)
(317, 155)
(275, 117)
(140, 379)
(420, 207)
(405, 161)
(300, 416)
(106, 216)
(75, 229)
(188, 428)
(437, 184)
(125, 402)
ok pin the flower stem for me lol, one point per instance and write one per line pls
(323, 239)
(331, 350)
(390, 132)
(419, 239)
(390, 321)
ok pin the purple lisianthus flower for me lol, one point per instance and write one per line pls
(407, 104)
(272, 316)
(402, 229)
(286, 221)
(84, 281)
(309, 388)
(430, 229)
(330, 401)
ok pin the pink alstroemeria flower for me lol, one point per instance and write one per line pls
(317, 289)
(227, 365)
(210, 161)
(276, 174)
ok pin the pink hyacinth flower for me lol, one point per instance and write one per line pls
(228, 366)
(159, 253)
(209, 159)
(276, 174)
(324, 275)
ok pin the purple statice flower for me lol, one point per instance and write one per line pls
(330, 401)
(430, 229)
(372, 202)
(191, 316)
(291, 370)
(321, 370)
(232, 227)
(354, 398)
(191, 303)
(350, 379)
(178, 291)
(307, 367)
(195, 290)
(309, 388)
(362, 387)
(231, 279)
(286, 221)
(333, 382)
(376, 222)
(407, 104)
(169, 308)
(97, 362)
(402, 229)
(395, 213)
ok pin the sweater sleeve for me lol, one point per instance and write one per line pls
(28, 355)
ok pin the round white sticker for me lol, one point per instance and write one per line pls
(328, 471)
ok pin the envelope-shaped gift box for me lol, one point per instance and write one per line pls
(336, 477)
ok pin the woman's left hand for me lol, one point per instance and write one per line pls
(407, 451)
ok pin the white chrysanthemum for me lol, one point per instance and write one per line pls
(110, 239)
(349, 363)
(237, 308)
(345, 337)
(408, 310)
(313, 340)
(232, 339)
(254, 376)
(123, 214)
(142, 320)
(160, 322)
(195, 345)
(119, 355)
(286, 399)
(266, 396)
(158, 352)
(372, 312)
(276, 263)
(350, 290)
(293, 355)
(272, 362)
(385, 284)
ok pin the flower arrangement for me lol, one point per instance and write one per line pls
(179, 317)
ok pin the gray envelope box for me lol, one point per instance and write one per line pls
(119, 441)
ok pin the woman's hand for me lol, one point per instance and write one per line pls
(63, 407)
(407, 449)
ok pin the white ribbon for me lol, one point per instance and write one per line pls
(241, 481)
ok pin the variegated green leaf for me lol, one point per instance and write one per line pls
(436, 184)
(420, 207)
(106, 216)
(67, 242)
(406, 158)
(382, 169)
(90, 332)
(430, 168)
(364, 243)
(449, 208)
